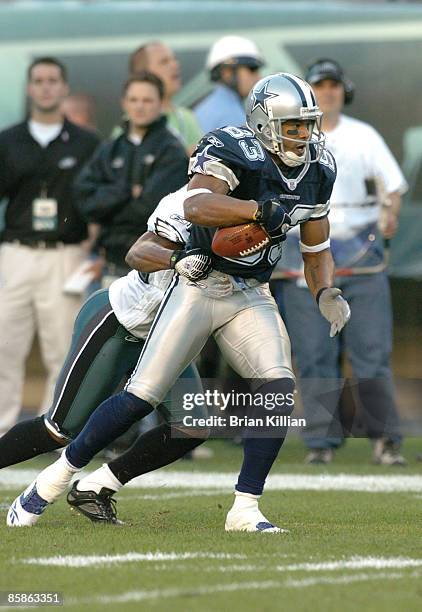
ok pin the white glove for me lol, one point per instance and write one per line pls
(195, 264)
(334, 308)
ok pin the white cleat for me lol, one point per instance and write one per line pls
(245, 515)
(27, 508)
(387, 452)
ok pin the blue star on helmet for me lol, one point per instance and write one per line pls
(260, 97)
(202, 158)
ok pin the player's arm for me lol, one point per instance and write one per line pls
(319, 273)
(316, 254)
(151, 253)
(216, 209)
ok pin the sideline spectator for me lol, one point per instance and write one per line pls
(127, 177)
(157, 58)
(366, 194)
(41, 240)
(234, 65)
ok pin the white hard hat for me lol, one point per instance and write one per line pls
(234, 50)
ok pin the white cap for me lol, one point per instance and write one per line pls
(235, 50)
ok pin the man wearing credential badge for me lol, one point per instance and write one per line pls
(363, 217)
(41, 241)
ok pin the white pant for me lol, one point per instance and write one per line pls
(246, 326)
(31, 299)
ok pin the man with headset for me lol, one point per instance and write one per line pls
(365, 202)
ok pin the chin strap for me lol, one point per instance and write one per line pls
(288, 157)
(291, 159)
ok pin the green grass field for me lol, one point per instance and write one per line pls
(346, 550)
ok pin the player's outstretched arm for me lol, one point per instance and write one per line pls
(317, 258)
(151, 253)
(216, 209)
(319, 273)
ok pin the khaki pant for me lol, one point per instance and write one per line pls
(31, 299)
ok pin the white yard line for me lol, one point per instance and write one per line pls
(102, 560)
(282, 482)
(355, 562)
(308, 582)
(326, 566)
(12, 478)
(374, 483)
(197, 591)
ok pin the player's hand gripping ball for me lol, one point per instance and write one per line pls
(193, 264)
(240, 240)
(274, 217)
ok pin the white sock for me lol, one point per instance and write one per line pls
(245, 501)
(103, 477)
(55, 479)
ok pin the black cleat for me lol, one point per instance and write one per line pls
(99, 507)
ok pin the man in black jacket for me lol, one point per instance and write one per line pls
(127, 177)
(41, 240)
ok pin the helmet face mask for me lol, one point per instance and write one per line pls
(279, 98)
(273, 133)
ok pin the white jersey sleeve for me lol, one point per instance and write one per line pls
(135, 303)
(168, 221)
(134, 298)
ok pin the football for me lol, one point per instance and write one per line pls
(240, 240)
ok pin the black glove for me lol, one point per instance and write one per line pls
(274, 217)
(194, 264)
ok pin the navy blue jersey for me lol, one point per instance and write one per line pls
(234, 155)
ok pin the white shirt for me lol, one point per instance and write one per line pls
(135, 138)
(361, 153)
(135, 302)
(44, 133)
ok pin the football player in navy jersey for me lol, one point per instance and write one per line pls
(276, 172)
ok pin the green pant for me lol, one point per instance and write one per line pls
(101, 357)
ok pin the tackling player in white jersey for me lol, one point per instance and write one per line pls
(108, 337)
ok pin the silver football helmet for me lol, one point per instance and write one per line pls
(276, 99)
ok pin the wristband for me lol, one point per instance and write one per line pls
(174, 258)
(257, 216)
(318, 295)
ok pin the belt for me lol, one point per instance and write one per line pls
(238, 283)
(39, 244)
